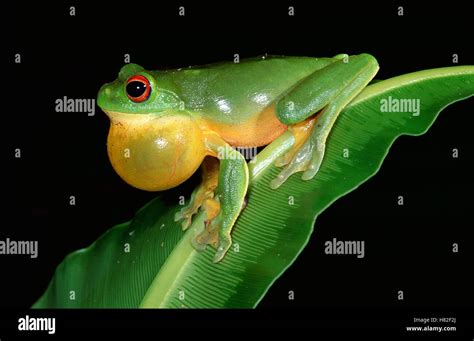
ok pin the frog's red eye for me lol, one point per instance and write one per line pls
(138, 88)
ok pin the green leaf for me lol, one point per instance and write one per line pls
(161, 268)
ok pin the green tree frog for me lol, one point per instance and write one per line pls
(166, 124)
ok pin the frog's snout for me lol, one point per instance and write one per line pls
(104, 95)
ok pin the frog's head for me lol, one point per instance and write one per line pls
(152, 144)
(137, 91)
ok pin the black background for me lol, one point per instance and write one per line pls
(408, 247)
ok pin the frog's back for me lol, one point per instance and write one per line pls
(236, 90)
(237, 99)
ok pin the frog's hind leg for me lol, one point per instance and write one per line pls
(319, 92)
(203, 193)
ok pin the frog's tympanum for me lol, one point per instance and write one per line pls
(166, 124)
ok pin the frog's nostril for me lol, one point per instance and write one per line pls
(104, 95)
(105, 89)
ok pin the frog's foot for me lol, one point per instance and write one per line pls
(305, 155)
(198, 197)
(215, 235)
(203, 193)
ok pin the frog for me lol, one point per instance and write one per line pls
(167, 124)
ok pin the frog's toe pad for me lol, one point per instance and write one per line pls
(185, 216)
(198, 244)
(308, 159)
(285, 159)
(225, 243)
(315, 163)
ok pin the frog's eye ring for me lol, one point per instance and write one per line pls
(138, 88)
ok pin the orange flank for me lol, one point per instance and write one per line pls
(258, 131)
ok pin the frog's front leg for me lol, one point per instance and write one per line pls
(328, 89)
(223, 205)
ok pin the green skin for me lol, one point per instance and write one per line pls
(231, 94)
